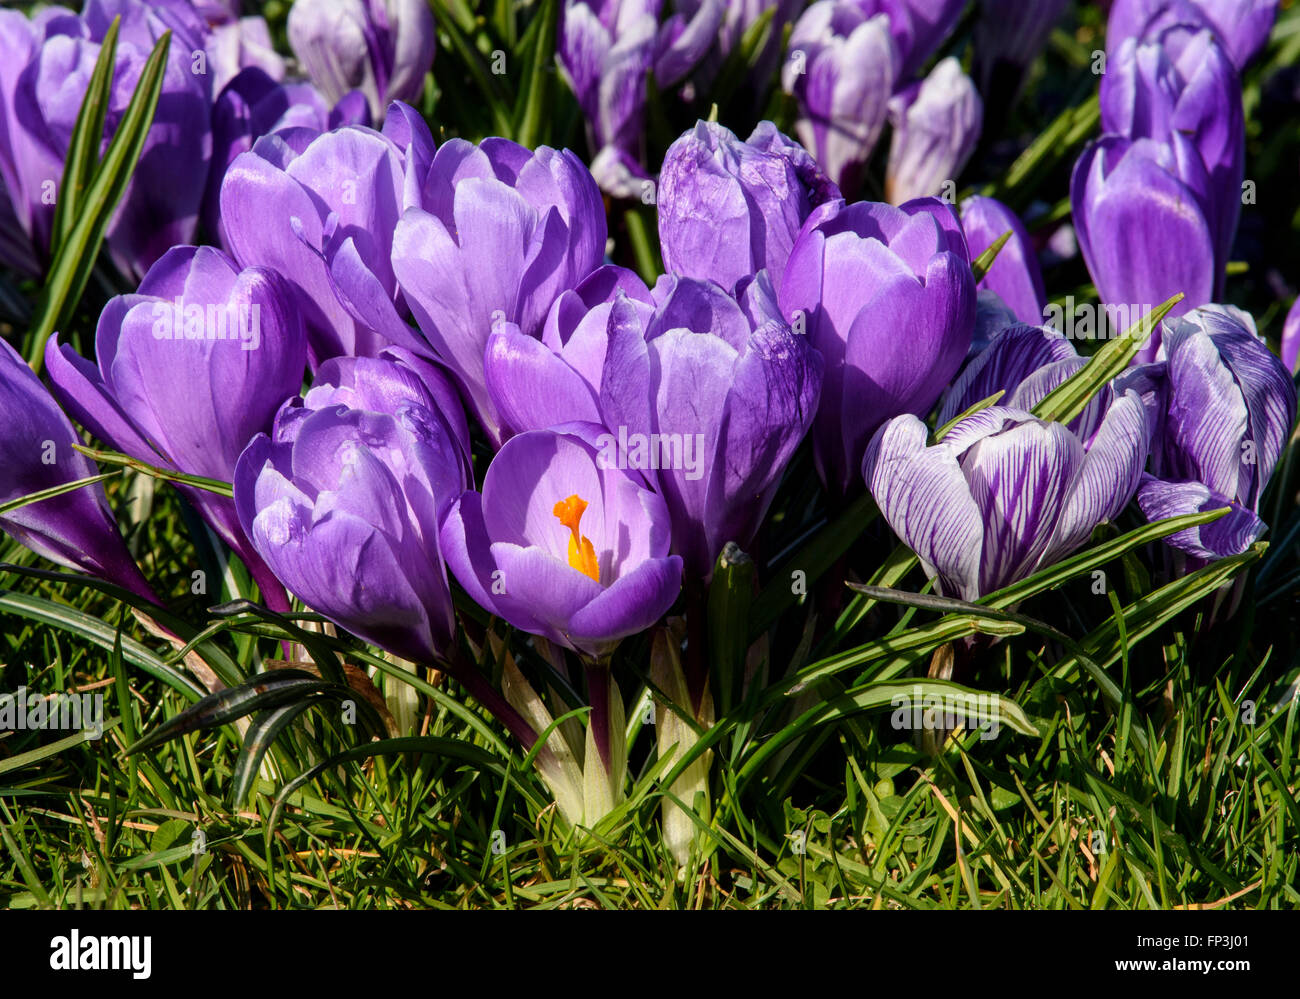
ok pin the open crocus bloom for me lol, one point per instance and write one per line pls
(1004, 493)
(562, 546)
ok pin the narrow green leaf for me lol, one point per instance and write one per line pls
(740, 63)
(983, 404)
(44, 494)
(453, 749)
(879, 695)
(21, 760)
(730, 595)
(87, 137)
(167, 475)
(1069, 399)
(1055, 575)
(980, 266)
(262, 731)
(76, 259)
(534, 105)
(1145, 615)
(265, 691)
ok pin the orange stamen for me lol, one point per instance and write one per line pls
(582, 554)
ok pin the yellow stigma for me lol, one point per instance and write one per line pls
(582, 556)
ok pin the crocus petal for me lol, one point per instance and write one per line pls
(1231, 534)
(923, 496)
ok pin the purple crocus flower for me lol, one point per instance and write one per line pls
(1242, 25)
(887, 297)
(191, 367)
(45, 68)
(555, 378)
(238, 44)
(252, 105)
(231, 42)
(563, 545)
(605, 50)
(1291, 338)
(936, 124)
(1004, 493)
(321, 209)
(1229, 406)
(1008, 37)
(1015, 274)
(710, 395)
(497, 232)
(918, 27)
(1133, 199)
(75, 529)
(685, 39)
(1155, 88)
(842, 68)
(728, 209)
(739, 16)
(343, 499)
(383, 48)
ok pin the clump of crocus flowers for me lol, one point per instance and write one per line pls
(624, 430)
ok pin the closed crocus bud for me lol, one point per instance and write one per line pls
(708, 399)
(321, 209)
(605, 50)
(887, 297)
(498, 233)
(47, 65)
(728, 209)
(1133, 200)
(254, 104)
(191, 367)
(1229, 408)
(684, 40)
(842, 67)
(554, 378)
(1242, 25)
(383, 48)
(1009, 36)
(75, 529)
(936, 125)
(563, 545)
(1003, 494)
(343, 499)
(1015, 274)
(919, 27)
(738, 17)
(1156, 88)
